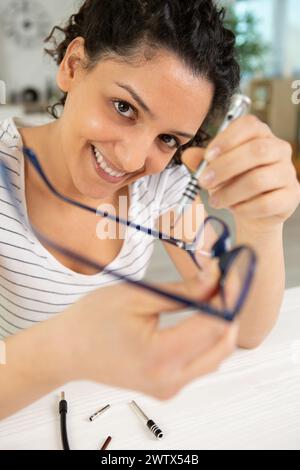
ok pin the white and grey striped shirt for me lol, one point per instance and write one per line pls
(34, 285)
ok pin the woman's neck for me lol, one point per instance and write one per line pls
(45, 142)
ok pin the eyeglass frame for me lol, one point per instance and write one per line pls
(221, 248)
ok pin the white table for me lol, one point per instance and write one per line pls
(252, 402)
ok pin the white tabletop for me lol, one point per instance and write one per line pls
(252, 402)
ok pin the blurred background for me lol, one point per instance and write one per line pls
(268, 40)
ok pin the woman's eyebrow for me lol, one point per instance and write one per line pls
(146, 108)
(137, 98)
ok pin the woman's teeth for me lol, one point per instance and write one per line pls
(103, 165)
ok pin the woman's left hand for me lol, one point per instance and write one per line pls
(251, 173)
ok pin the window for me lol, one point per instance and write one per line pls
(278, 24)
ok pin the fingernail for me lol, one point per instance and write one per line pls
(214, 201)
(212, 153)
(207, 178)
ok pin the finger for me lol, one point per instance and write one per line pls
(270, 204)
(248, 186)
(180, 342)
(208, 362)
(178, 345)
(240, 160)
(240, 131)
(197, 289)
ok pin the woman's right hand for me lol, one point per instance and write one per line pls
(113, 337)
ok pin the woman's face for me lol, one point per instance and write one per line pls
(109, 139)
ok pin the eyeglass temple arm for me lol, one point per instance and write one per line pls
(30, 155)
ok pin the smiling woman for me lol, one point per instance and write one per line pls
(140, 79)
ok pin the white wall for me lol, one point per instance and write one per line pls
(22, 67)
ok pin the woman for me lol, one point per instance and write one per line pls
(131, 73)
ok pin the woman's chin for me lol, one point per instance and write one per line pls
(87, 182)
(89, 188)
(92, 191)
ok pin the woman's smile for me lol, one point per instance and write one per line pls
(105, 169)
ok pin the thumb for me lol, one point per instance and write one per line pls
(199, 288)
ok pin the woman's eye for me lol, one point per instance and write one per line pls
(176, 143)
(123, 107)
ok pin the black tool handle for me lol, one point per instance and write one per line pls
(155, 429)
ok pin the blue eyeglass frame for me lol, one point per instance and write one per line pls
(220, 249)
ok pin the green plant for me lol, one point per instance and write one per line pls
(251, 48)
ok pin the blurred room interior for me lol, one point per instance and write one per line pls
(268, 38)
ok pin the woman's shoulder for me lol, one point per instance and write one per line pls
(177, 180)
(8, 131)
(11, 154)
(178, 175)
(164, 189)
(10, 140)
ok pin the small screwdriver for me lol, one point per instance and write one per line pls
(239, 106)
(151, 425)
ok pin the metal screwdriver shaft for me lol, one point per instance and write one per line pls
(149, 423)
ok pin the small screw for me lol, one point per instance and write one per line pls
(98, 413)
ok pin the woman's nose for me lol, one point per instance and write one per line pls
(132, 155)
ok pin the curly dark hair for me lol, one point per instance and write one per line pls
(192, 29)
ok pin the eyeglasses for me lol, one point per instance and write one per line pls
(236, 266)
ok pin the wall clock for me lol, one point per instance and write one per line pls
(26, 22)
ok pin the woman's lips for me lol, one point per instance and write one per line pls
(103, 174)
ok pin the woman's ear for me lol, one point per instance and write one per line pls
(73, 61)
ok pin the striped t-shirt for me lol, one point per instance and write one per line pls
(34, 285)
